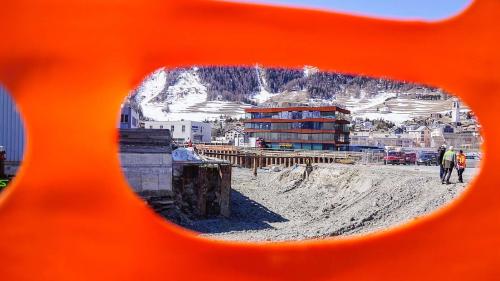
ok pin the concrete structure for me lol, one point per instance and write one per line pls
(129, 117)
(300, 126)
(182, 131)
(146, 160)
(12, 136)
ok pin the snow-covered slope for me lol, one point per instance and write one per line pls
(151, 87)
(186, 94)
(186, 99)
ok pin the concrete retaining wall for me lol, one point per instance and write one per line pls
(148, 171)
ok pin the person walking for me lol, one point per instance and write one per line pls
(449, 160)
(441, 152)
(461, 164)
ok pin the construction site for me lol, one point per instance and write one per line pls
(301, 197)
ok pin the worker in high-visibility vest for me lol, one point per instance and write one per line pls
(461, 164)
(449, 160)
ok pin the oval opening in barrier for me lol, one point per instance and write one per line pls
(394, 9)
(274, 154)
(12, 139)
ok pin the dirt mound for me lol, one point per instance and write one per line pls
(333, 200)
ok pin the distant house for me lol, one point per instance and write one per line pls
(456, 136)
(398, 131)
(436, 115)
(387, 139)
(421, 136)
(233, 133)
(381, 139)
(182, 131)
(129, 117)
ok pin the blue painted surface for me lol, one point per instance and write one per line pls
(11, 128)
(397, 9)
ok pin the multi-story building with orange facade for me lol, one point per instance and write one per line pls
(300, 127)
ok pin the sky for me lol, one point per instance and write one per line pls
(399, 9)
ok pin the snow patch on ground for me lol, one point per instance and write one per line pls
(263, 95)
(364, 103)
(310, 70)
(395, 117)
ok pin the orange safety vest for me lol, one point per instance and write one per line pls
(461, 160)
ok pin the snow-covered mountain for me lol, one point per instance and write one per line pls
(204, 93)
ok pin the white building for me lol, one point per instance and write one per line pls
(455, 136)
(381, 139)
(233, 134)
(182, 131)
(129, 117)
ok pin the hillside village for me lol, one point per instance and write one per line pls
(383, 112)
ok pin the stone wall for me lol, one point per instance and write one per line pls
(202, 190)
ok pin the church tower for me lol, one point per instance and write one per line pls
(455, 111)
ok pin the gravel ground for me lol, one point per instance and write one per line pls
(334, 200)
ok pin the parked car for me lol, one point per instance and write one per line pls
(427, 158)
(473, 160)
(410, 158)
(394, 157)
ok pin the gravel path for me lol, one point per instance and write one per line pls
(334, 200)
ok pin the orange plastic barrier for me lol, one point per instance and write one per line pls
(70, 215)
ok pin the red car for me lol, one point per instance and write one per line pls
(394, 157)
(410, 158)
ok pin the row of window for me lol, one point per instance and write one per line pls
(300, 137)
(296, 115)
(172, 128)
(307, 146)
(301, 125)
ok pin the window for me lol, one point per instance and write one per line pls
(124, 118)
(172, 128)
(151, 127)
(161, 126)
(183, 128)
